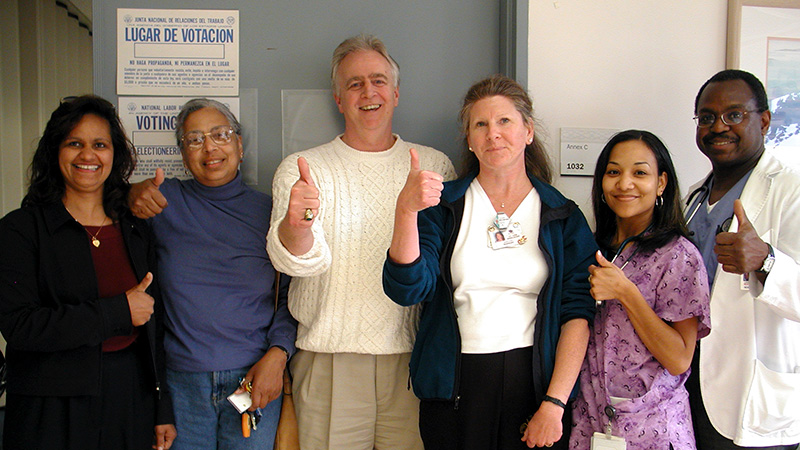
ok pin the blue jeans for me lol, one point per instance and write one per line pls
(204, 418)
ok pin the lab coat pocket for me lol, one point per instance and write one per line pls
(773, 403)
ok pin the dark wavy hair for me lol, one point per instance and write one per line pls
(536, 160)
(46, 181)
(668, 221)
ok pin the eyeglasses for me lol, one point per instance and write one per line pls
(705, 120)
(221, 135)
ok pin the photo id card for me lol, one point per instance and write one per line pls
(509, 237)
(602, 441)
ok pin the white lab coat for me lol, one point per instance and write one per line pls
(750, 363)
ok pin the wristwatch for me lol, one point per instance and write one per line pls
(769, 261)
(285, 352)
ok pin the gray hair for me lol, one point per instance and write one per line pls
(197, 104)
(362, 42)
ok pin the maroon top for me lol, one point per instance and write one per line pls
(114, 273)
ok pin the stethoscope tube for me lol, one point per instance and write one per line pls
(703, 191)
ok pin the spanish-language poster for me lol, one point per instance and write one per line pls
(177, 52)
(150, 124)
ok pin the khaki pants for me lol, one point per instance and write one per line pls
(352, 402)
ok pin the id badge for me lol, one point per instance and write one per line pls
(744, 282)
(510, 237)
(602, 441)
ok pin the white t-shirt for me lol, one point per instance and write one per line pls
(496, 290)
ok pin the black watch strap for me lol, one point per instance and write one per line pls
(555, 401)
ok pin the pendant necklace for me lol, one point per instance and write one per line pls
(95, 240)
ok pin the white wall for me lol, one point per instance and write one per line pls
(624, 64)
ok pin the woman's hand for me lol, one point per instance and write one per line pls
(607, 280)
(266, 377)
(423, 188)
(145, 200)
(672, 343)
(140, 302)
(165, 436)
(545, 427)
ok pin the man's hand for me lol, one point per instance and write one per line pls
(742, 251)
(266, 377)
(144, 198)
(294, 230)
(304, 195)
(423, 188)
(140, 302)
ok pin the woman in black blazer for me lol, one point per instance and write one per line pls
(77, 301)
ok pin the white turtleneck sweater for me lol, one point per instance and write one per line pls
(336, 294)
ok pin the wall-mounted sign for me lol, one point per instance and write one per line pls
(177, 52)
(580, 148)
(150, 124)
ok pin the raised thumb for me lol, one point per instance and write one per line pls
(159, 177)
(602, 260)
(305, 172)
(145, 283)
(741, 216)
(414, 160)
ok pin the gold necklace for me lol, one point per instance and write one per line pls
(95, 240)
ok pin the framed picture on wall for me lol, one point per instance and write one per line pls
(764, 39)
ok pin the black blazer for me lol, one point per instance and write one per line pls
(50, 313)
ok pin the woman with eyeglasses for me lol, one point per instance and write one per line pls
(652, 292)
(224, 334)
(78, 303)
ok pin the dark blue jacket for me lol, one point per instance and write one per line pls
(569, 249)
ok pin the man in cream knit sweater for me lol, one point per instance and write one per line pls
(331, 224)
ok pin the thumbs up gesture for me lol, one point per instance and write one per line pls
(742, 251)
(607, 280)
(303, 199)
(423, 188)
(139, 302)
(144, 199)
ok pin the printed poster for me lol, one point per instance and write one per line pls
(150, 124)
(177, 52)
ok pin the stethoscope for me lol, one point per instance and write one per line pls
(624, 244)
(703, 191)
